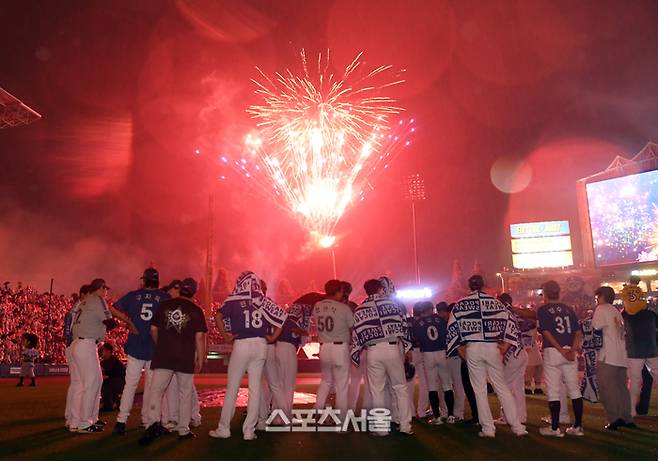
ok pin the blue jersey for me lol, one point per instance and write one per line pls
(560, 320)
(141, 306)
(68, 324)
(429, 333)
(289, 336)
(246, 320)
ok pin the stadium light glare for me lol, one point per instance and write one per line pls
(415, 293)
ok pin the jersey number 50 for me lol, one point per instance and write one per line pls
(325, 323)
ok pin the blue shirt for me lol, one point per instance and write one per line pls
(246, 320)
(429, 333)
(560, 320)
(68, 325)
(288, 336)
(141, 306)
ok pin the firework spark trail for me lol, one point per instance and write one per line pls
(321, 137)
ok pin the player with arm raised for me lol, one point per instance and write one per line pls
(559, 327)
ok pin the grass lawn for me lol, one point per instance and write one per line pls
(31, 427)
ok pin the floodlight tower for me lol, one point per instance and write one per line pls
(415, 192)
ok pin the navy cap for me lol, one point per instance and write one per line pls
(97, 284)
(151, 274)
(188, 287)
(173, 284)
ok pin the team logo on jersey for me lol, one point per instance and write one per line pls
(177, 319)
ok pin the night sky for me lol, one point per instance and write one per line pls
(508, 96)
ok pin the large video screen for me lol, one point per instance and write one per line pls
(623, 213)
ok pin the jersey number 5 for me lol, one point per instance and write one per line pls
(146, 313)
(563, 324)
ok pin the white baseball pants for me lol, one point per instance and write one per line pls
(85, 357)
(335, 371)
(635, 367)
(386, 361)
(270, 386)
(356, 375)
(74, 393)
(514, 372)
(436, 371)
(484, 361)
(134, 369)
(286, 358)
(455, 366)
(159, 382)
(249, 356)
(558, 369)
(171, 403)
(423, 399)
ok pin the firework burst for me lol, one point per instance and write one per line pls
(321, 138)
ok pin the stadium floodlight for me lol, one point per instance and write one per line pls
(414, 293)
(13, 112)
(415, 192)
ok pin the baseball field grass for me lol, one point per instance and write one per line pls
(32, 428)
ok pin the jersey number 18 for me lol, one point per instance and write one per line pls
(253, 319)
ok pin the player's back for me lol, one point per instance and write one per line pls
(429, 333)
(141, 305)
(246, 319)
(334, 320)
(560, 320)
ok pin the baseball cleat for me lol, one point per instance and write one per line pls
(216, 434)
(500, 422)
(195, 423)
(152, 432)
(522, 433)
(249, 437)
(119, 428)
(436, 421)
(451, 420)
(189, 435)
(549, 432)
(575, 431)
(89, 430)
(487, 435)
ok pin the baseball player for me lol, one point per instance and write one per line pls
(178, 329)
(421, 410)
(455, 370)
(559, 327)
(250, 314)
(294, 329)
(171, 402)
(357, 373)
(89, 327)
(72, 409)
(429, 333)
(481, 330)
(515, 362)
(381, 329)
(334, 321)
(137, 309)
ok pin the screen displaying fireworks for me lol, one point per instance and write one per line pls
(623, 214)
(321, 139)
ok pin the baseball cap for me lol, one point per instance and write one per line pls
(173, 284)
(97, 284)
(188, 287)
(151, 274)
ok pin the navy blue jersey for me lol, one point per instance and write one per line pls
(429, 333)
(289, 336)
(246, 320)
(560, 320)
(141, 306)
